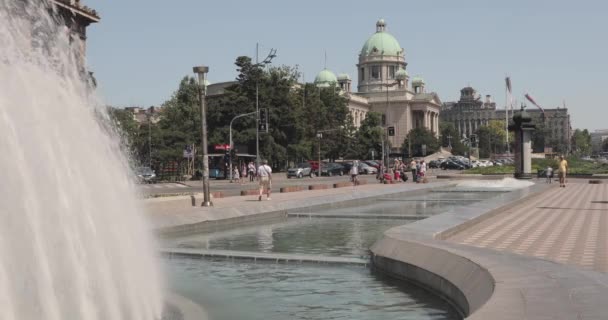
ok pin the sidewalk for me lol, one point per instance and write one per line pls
(176, 212)
(566, 225)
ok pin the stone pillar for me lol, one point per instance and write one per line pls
(522, 128)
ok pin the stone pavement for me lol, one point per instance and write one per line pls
(177, 213)
(566, 225)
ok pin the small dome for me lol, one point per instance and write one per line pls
(401, 74)
(325, 78)
(343, 76)
(381, 43)
(418, 80)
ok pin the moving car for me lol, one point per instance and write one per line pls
(145, 175)
(364, 168)
(451, 164)
(301, 170)
(332, 169)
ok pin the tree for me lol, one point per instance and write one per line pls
(180, 122)
(369, 136)
(418, 138)
(449, 136)
(491, 138)
(581, 142)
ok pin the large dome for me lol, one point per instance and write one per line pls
(381, 43)
(325, 78)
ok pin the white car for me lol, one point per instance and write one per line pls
(485, 163)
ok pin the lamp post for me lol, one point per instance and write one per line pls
(268, 60)
(319, 136)
(201, 71)
(387, 85)
(231, 144)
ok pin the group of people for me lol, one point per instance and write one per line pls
(263, 174)
(245, 171)
(418, 169)
(562, 168)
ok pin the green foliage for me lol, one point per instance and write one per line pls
(418, 137)
(368, 137)
(449, 136)
(491, 138)
(575, 166)
(581, 142)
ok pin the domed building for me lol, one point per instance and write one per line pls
(384, 86)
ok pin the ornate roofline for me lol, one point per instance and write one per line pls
(79, 9)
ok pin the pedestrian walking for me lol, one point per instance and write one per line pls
(265, 179)
(422, 171)
(235, 174)
(549, 174)
(251, 171)
(413, 168)
(562, 171)
(354, 172)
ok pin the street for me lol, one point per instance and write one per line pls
(232, 189)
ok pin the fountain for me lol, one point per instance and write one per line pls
(73, 243)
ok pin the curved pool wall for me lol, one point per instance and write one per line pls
(483, 283)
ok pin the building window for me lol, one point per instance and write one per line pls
(376, 73)
(391, 72)
(362, 75)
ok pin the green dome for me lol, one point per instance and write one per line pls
(343, 76)
(381, 43)
(325, 78)
(401, 74)
(417, 80)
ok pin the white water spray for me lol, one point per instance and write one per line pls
(73, 243)
(505, 183)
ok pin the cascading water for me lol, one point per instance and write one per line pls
(73, 242)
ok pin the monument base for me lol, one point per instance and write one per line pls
(521, 175)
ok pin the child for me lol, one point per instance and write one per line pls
(549, 174)
(235, 174)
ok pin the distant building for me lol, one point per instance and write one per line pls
(597, 139)
(77, 17)
(471, 112)
(143, 115)
(383, 87)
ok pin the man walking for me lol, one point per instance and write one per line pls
(562, 170)
(414, 170)
(265, 178)
(251, 171)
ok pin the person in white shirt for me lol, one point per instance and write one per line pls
(354, 171)
(265, 178)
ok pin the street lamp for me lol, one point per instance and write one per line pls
(387, 85)
(231, 144)
(201, 71)
(319, 136)
(267, 60)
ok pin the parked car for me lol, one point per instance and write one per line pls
(434, 164)
(332, 169)
(451, 164)
(301, 170)
(372, 163)
(364, 168)
(145, 175)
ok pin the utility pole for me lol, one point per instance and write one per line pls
(201, 71)
(266, 61)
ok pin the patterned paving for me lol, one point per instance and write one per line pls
(567, 225)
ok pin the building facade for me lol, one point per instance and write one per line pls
(76, 17)
(471, 111)
(597, 139)
(384, 87)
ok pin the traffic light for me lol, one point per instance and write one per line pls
(391, 131)
(263, 121)
(233, 154)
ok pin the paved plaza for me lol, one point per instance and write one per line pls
(566, 225)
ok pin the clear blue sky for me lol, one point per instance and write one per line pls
(555, 50)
